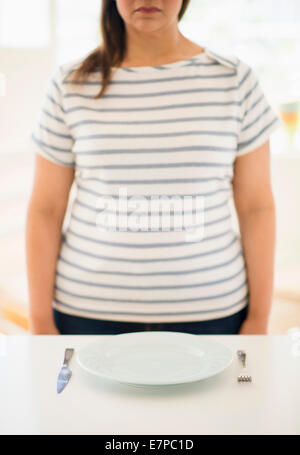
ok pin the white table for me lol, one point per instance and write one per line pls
(219, 405)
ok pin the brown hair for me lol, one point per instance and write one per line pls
(112, 51)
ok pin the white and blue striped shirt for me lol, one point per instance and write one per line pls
(168, 130)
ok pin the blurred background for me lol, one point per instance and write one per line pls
(38, 35)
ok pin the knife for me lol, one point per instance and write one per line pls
(64, 374)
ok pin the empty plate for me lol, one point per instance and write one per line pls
(155, 358)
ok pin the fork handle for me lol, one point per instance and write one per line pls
(244, 360)
(68, 355)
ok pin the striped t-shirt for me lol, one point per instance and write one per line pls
(158, 132)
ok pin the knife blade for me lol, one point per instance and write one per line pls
(65, 373)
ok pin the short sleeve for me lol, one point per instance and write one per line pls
(51, 137)
(258, 117)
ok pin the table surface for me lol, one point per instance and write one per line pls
(29, 367)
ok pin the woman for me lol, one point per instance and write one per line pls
(151, 114)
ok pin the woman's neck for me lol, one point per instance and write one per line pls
(142, 51)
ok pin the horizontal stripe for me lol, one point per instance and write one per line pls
(153, 314)
(158, 150)
(162, 93)
(153, 108)
(133, 245)
(154, 166)
(195, 61)
(177, 272)
(152, 213)
(152, 302)
(148, 288)
(154, 80)
(205, 239)
(156, 121)
(143, 136)
(102, 226)
(150, 182)
(152, 94)
(170, 259)
(149, 197)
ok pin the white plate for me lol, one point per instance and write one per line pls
(155, 358)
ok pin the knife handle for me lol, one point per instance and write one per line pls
(68, 356)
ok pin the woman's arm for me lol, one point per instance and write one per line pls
(255, 208)
(45, 215)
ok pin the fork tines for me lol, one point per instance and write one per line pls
(244, 378)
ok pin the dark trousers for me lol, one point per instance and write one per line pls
(75, 325)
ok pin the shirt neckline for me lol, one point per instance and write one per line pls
(178, 64)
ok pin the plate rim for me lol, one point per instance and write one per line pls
(194, 378)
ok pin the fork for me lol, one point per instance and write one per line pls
(243, 377)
